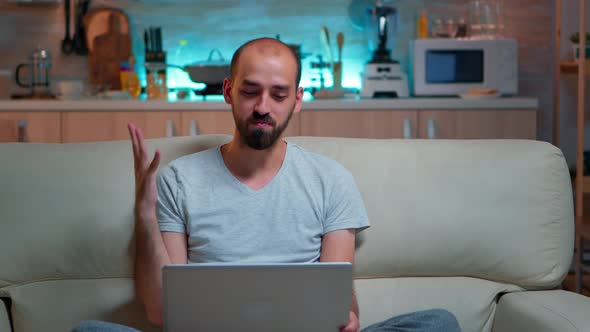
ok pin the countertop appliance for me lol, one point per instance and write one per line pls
(448, 67)
(37, 71)
(383, 76)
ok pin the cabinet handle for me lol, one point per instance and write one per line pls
(193, 128)
(407, 129)
(431, 128)
(170, 128)
(22, 131)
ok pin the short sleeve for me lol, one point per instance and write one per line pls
(345, 208)
(168, 206)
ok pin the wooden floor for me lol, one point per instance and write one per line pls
(569, 284)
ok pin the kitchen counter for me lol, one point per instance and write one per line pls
(508, 103)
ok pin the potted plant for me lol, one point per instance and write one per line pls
(575, 39)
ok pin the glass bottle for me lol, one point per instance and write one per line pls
(133, 84)
(423, 24)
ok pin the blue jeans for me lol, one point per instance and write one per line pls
(420, 321)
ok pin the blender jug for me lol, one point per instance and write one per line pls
(381, 23)
(38, 68)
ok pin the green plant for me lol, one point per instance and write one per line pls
(575, 38)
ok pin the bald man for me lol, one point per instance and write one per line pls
(261, 209)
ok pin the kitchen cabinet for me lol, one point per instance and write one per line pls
(206, 122)
(222, 122)
(35, 127)
(360, 124)
(477, 124)
(106, 126)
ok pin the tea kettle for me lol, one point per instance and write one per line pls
(39, 64)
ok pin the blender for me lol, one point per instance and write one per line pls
(383, 76)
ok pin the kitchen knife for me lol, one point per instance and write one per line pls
(159, 39)
(146, 41)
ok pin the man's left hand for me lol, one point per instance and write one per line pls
(353, 324)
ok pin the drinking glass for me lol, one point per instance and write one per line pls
(485, 19)
(475, 18)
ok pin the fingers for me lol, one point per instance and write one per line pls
(142, 149)
(154, 164)
(131, 127)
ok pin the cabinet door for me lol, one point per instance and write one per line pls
(36, 127)
(478, 124)
(107, 126)
(207, 122)
(221, 122)
(359, 124)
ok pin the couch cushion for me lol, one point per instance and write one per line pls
(59, 305)
(66, 210)
(495, 209)
(473, 301)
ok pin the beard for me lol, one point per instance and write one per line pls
(261, 138)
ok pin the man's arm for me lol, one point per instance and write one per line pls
(153, 248)
(338, 246)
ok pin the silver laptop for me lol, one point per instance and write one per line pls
(256, 297)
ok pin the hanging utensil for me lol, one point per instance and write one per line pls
(67, 44)
(325, 40)
(340, 41)
(80, 45)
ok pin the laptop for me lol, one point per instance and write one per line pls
(256, 297)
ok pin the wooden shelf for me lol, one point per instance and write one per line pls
(586, 183)
(571, 67)
(583, 226)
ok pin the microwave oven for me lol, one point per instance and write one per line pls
(447, 67)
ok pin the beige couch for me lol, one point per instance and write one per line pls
(481, 228)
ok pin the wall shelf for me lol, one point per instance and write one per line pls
(571, 66)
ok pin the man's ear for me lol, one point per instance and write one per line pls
(227, 85)
(298, 100)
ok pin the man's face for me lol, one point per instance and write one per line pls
(263, 95)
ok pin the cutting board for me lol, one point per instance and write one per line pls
(109, 44)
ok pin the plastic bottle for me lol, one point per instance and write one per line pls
(423, 24)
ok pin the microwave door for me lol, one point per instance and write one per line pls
(454, 71)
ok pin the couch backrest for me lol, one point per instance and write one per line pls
(495, 209)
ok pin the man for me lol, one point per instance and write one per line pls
(255, 199)
(257, 187)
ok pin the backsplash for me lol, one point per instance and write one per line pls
(225, 24)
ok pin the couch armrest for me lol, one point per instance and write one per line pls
(541, 311)
(4, 319)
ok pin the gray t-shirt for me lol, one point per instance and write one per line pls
(283, 222)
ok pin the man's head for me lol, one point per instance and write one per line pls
(263, 89)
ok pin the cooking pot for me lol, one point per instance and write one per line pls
(213, 72)
(210, 72)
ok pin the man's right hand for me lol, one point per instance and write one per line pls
(145, 175)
